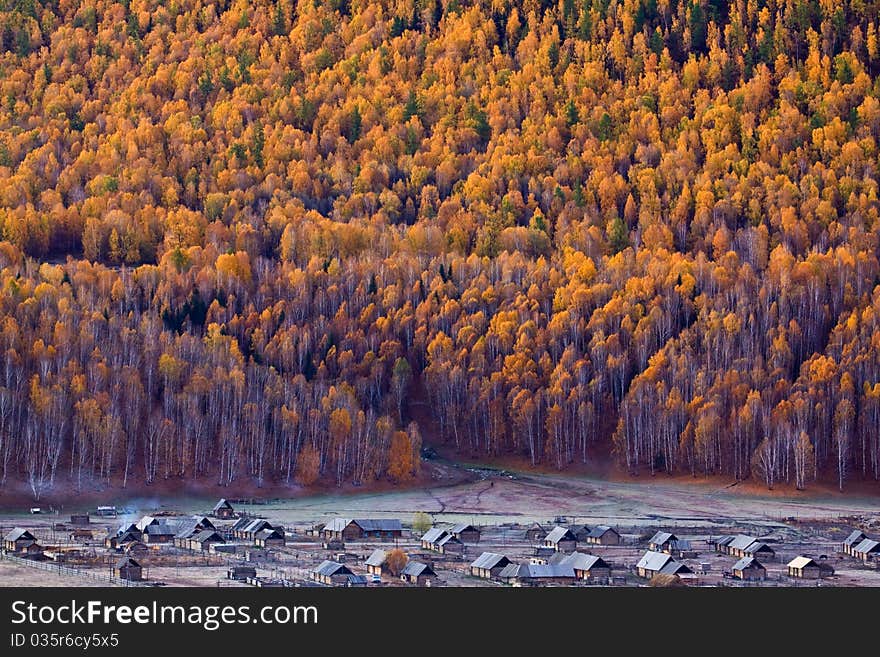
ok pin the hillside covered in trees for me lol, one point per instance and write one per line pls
(237, 235)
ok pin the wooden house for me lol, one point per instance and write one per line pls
(81, 534)
(660, 542)
(657, 563)
(807, 568)
(488, 565)
(720, 544)
(332, 573)
(418, 573)
(561, 539)
(348, 529)
(866, 550)
(202, 540)
(759, 549)
(449, 544)
(223, 510)
(738, 545)
(377, 563)
(80, 519)
(603, 535)
(466, 533)
(749, 569)
(270, 538)
(19, 541)
(852, 540)
(588, 567)
(535, 533)
(430, 538)
(531, 574)
(128, 568)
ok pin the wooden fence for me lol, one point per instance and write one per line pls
(101, 578)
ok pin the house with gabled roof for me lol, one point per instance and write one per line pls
(749, 569)
(808, 568)
(347, 529)
(654, 563)
(465, 533)
(603, 535)
(488, 565)
(855, 537)
(561, 539)
(660, 542)
(418, 573)
(866, 550)
(19, 540)
(223, 510)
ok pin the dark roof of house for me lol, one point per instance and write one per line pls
(680, 544)
(490, 560)
(127, 527)
(463, 527)
(127, 562)
(207, 535)
(600, 530)
(378, 524)
(19, 533)
(724, 540)
(449, 538)
(329, 568)
(558, 534)
(661, 538)
(855, 537)
(222, 504)
(417, 568)
(434, 534)
(376, 558)
(746, 563)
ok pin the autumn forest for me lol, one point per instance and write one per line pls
(295, 241)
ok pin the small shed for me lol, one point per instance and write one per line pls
(561, 539)
(129, 569)
(749, 569)
(418, 573)
(807, 568)
(79, 519)
(241, 573)
(223, 510)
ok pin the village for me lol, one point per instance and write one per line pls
(234, 544)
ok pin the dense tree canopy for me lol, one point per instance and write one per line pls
(241, 239)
